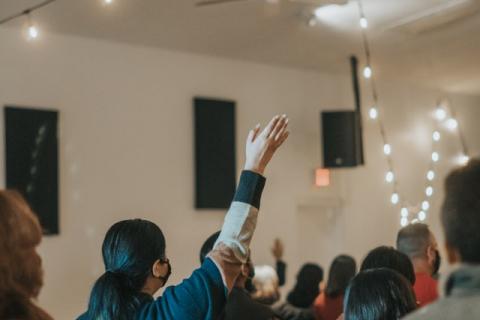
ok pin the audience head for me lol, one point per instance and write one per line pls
(342, 270)
(461, 214)
(208, 246)
(134, 257)
(378, 294)
(419, 244)
(388, 257)
(266, 285)
(21, 274)
(307, 286)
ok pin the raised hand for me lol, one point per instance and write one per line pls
(261, 146)
(277, 249)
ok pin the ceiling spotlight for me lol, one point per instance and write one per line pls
(363, 23)
(373, 113)
(32, 32)
(436, 136)
(108, 1)
(452, 124)
(367, 72)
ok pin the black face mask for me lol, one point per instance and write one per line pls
(437, 263)
(169, 272)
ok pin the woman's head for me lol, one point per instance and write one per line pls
(388, 257)
(20, 233)
(342, 270)
(266, 285)
(134, 257)
(307, 286)
(378, 294)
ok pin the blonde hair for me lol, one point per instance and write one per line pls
(266, 284)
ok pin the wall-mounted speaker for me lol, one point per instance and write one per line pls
(215, 165)
(31, 147)
(342, 139)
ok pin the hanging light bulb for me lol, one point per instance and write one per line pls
(363, 23)
(440, 113)
(429, 191)
(387, 149)
(422, 216)
(373, 113)
(32, 30)
(430, 175)
(394, 198)
(367, 72)
(425, 205)
(404, 221)
(436, 136)
(404, 212)
(452, 124)
(435, 156)
(389, 177)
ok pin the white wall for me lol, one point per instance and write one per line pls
(126, 150)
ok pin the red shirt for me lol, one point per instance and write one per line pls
(327, 308)
(425, 289)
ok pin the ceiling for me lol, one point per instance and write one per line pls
(279, 34)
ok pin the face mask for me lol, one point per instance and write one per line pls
(437, 263)
(169, 272)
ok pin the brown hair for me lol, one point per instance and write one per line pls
(21, 275)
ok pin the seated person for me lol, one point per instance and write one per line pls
(329, 304)
(379, 294)
(21, 274)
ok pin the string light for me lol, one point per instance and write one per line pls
(440, 113)
(452, 124)
(367, 72)
(463, 159)
(312, 22)
(107, 2)
(363, 22)
(387, 149)
(395, 198)
(425, 205)
(436, 136)
(430, 175)
(373, 113)
(435, 156)
(389, 177)
(404, 212)
(429, 191)
(422, 216)
(404, 221)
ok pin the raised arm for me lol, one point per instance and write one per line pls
(233, 245)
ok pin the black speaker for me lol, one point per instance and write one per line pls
(214, 153)
(32, 161)
(342, 139)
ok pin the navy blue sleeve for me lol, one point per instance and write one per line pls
(202, 296)
(250, 188)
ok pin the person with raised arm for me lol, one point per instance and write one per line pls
(136, 265)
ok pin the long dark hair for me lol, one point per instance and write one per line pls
(307, 287)
(378, 294)
(388, 257)
(342, 270)
(129, 250)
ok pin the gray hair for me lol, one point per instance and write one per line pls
(413, 240)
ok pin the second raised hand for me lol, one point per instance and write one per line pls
(261, 146)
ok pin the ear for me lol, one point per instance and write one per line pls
(157, 269)
(453, 255)
(431, 254)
